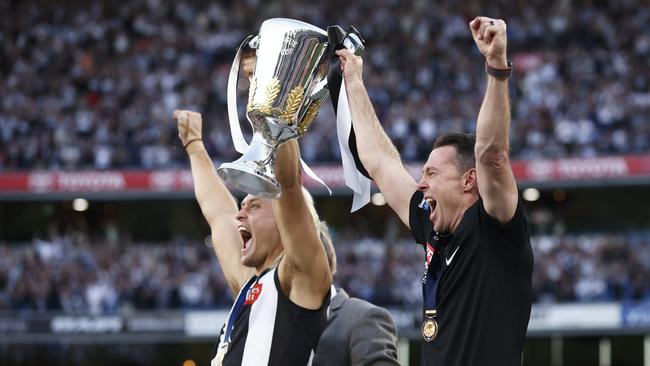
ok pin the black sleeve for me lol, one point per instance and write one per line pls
(514, 234)
(419, 219)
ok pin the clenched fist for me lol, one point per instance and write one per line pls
(351, 65)
(490, 38)
(189, 126)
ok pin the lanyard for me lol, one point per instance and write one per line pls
(430, 285)
(239, 304)
(429, 288)
(433, 273)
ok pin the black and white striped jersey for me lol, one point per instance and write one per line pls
(270, 329)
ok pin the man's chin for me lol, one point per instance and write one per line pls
(247, 259)
(436, 227)
(433, 223)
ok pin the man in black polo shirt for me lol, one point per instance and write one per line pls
(466, 213)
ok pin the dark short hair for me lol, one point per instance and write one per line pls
(464, 144)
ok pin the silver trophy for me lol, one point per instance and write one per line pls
(285, 94)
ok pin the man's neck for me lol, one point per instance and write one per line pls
(269, 262)
(469, 203)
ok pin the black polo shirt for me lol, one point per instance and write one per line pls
(483, 294)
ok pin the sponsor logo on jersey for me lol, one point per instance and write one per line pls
(253, 294)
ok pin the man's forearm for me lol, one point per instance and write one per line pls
(210, 191)
(373, 143)
(304, 271)
(493, 121)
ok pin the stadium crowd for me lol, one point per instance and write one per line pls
(73, 273)
(93, 85)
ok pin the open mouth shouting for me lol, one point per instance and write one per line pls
(247, 238)
(432, 206)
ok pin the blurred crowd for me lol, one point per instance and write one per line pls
(93, 85)
(68, 273)
(60, 275)
(588, 268)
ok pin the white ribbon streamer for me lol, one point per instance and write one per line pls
(359, 183)
(233, 116)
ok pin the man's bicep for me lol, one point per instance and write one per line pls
(397, 186)
(498, 189)
(304, 266)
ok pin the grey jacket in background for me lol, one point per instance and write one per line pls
(358, 333)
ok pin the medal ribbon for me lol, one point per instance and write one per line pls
(239, 304)
(237, 307)
(432, 277)
(434, 270)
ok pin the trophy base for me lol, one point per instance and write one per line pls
(249, 180)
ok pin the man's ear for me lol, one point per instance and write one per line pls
(469, 180)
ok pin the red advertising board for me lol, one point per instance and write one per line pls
(160, 181)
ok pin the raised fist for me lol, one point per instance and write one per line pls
(189, 126)
(490, 38)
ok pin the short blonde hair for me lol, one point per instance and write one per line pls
(326, 239)
(322, 230)
(312, 208)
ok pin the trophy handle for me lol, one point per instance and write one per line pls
(235, 129)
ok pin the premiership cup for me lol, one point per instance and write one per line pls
(286, 90)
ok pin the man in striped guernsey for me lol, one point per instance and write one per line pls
(271, 256)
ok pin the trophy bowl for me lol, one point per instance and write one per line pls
(286, 90)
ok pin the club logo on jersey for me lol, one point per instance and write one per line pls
(253, 294)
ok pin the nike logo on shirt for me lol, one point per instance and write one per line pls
(448, 260)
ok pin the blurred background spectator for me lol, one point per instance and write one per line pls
(93, 85)
(80, 273)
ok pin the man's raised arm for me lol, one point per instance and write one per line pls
(376, 151)
(304, 271)
(217, 204)
(496, 182)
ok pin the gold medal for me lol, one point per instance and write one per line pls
(429, 329)
(221, 354)
(430, 326)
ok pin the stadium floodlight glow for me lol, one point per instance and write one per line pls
(531, 194)
(80, 204)
(378, 199)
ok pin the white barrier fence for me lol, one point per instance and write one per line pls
(602, 321)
